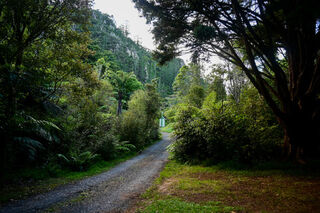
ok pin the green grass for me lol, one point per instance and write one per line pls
(31, 181)
(168, 128)
(176, 205)
(227, 187)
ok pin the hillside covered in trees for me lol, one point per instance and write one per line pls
(120, 52)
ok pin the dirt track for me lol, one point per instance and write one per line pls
(114, 191)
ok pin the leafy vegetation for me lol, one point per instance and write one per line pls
(139, 124)
(262, 101)
(78, 162)
(211, 126)
(232, 133)
(168, 128)
(67, 74)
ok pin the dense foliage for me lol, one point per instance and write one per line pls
(75, 89)
(139, 124)
(231, 134)
(212, 127)
(64, 83)
(41, 55)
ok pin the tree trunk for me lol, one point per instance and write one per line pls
(119, 109)
(3, 157)
(12, 103)
(301, 134)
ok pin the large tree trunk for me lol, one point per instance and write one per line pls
(301, 111)
(301, 134)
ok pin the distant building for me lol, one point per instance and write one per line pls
(162, 120)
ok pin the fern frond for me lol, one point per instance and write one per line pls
(41, 128)
(29, 142)
(43, 134)
(42, 123)
(64, 158)
(80, 161)
(30, 145)
(124, 146)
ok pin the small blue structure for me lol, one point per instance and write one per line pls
(162, 120)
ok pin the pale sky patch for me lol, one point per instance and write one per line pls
(124, 13)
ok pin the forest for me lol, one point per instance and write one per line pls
(72, 84)
(78, 96)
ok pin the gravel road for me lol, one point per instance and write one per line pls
(116, 190)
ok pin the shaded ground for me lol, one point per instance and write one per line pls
(112, 191)
(212, 189)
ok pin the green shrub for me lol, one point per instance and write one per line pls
(169, 114)
(105, 145)
(132, 128)
(139, 124)
(89, 125)
(168, 128)
(226, 132)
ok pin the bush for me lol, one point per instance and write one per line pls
(89, 124)
(132, 128)
(139, 124)
(226, 132)
(170, 114)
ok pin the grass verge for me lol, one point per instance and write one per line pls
(168, 128)
(229, 188)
